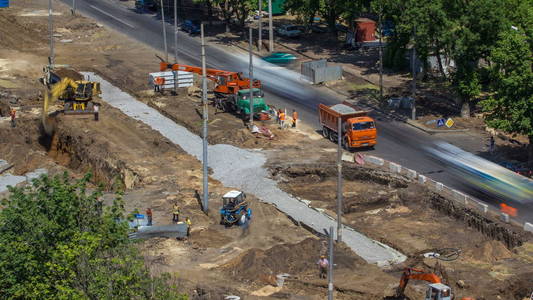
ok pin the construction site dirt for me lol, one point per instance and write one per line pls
(217, 261)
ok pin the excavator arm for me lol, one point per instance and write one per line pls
(412, 273)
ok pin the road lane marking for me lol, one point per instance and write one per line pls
(110, 15)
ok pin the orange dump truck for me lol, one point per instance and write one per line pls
(358, 129)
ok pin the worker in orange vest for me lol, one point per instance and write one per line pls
(294, 118)
(282, 119)
(13, 114)
(158, 83)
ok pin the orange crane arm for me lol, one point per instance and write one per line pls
(411, 273)
(163, 66)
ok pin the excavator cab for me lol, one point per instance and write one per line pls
(438, 291)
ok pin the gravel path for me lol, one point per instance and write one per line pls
(243, 169)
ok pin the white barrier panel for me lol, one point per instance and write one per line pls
(348, 157)
(394, 167)
(185, 79)
(528, 227)
(411, 173)
(374, 160)
(484, 207)
(505, 217)
(439, 186)
(422, 179)
(460, 196)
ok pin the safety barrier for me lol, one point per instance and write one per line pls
(447, 192)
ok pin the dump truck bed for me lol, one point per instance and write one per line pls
(329, 114)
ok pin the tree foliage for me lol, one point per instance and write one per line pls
(58, 241)
(511, 107)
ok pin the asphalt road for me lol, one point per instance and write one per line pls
(397, 141)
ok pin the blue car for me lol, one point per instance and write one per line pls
(280, 58)
(191, 26)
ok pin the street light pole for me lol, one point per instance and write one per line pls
(260, 34)
(164, 31)
(205, 117)
(176, 73)
(270, 32)
(73, 10)
(339, 179)
(413, 64)
(251, 81)
(51, 59)
(330, 264)
(380, 56)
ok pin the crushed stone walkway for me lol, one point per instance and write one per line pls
(244, 169)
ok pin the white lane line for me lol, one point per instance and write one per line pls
(110, 15)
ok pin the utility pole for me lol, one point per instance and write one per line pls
(251, 82)
(205, 117)
(51, 59)
(339, 180)
(270, 32)
(164, 31)
(260, 34)
(413, 70)
(226, 12)
(330, 265)
(73, 10)
(380, 55)
(176, 73)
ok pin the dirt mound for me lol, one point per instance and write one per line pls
(489, 251)
(288, 258)
(72, 74)
(25, 36)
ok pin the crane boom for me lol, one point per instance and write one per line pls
(227, 83)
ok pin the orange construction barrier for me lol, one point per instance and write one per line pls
(504, 208)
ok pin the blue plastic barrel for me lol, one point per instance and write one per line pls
(4, 3)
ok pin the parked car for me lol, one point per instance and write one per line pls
(191, 26)
(319, 28)
(289, 31)
(280, 58)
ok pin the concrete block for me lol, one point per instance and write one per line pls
(439, 186)
(528, 227)
(374, 160)
(348, 157)
(35, 174)
(395, 168)
(460, 196)
(422, 179)
(504, 217)
(484, 207)
(411, 173)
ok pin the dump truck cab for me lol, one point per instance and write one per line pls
(360, 132)
(438, 291)
(242, 102)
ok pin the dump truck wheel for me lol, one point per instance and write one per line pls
(333, 136)
(325, 132)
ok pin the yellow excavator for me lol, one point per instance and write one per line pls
(76, 95)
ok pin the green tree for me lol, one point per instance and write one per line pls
(511, 107)
(58, 241)
(306, 9)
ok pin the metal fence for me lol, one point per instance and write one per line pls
(317, 71)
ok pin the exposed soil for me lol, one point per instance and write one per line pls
(390, 209)
(218, 261)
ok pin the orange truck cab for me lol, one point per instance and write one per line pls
(358, 129)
